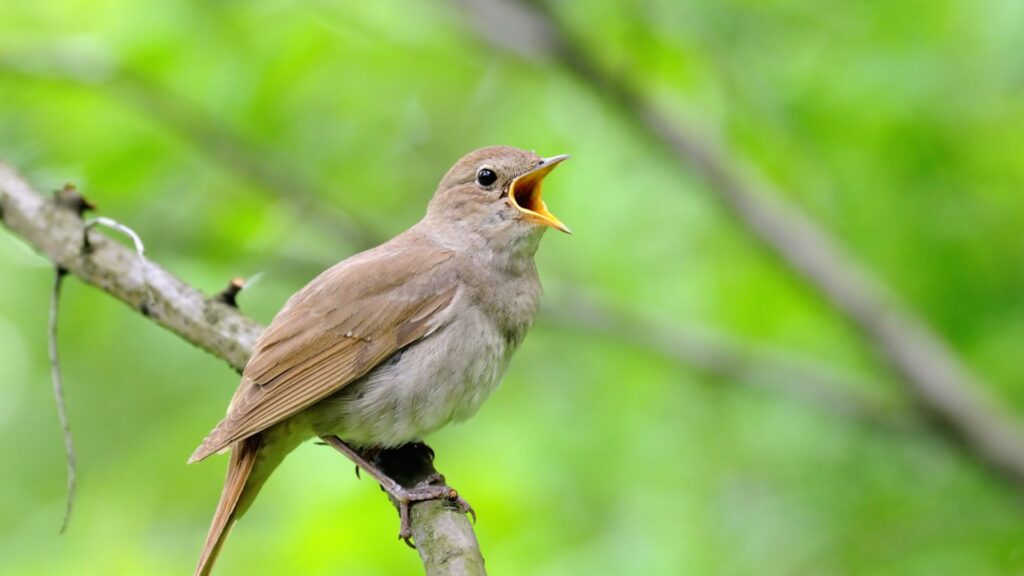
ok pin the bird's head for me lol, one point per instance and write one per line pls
(495, 192)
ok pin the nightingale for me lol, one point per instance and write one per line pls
(395, 342)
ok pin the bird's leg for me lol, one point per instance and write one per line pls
(429, 487)
(413, 465)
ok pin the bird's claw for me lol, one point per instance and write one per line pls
(462, 506)
(405, 498)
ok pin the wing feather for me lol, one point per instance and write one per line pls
(332, 332)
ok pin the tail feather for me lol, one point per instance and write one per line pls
(243, 458)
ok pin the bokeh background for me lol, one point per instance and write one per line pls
(686, 403)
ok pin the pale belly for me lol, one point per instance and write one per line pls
(441, 379)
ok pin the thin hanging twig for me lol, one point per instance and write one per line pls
(58, 393)
(58, 386)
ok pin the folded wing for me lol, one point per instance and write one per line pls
(335, 330)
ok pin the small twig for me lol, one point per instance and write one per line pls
(58, 393)
(140, 251)
(69, 197)
(229, 294)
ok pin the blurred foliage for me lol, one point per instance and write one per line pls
(899, 125)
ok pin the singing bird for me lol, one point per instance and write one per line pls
(395, 342)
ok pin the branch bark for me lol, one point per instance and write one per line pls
(444, 537)
(943, 387)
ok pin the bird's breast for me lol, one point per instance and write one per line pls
(442, 378)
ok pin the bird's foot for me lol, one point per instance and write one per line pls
(422, 492)
(457, 502)
(432, 486)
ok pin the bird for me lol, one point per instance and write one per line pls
(395, 342)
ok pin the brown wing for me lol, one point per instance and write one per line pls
(333, 331)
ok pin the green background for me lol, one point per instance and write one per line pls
(898, 126)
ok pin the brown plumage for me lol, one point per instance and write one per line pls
(329, 334)
(397, 341)
(242, 459)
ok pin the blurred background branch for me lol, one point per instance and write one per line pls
(729, 361)
(945, 389)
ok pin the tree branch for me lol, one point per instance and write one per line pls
(445, 538)
(944, 388)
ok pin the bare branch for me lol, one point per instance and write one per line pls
(229, 295)
(56, 232)
(944, 388)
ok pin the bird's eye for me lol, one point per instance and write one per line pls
(485, 177)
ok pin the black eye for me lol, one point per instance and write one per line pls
(486, 177)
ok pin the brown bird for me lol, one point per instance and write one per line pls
(393, 343)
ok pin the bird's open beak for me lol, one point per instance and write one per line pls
(525, 194)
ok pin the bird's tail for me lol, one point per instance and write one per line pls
(243, 458)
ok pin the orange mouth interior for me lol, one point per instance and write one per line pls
(525, 193)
